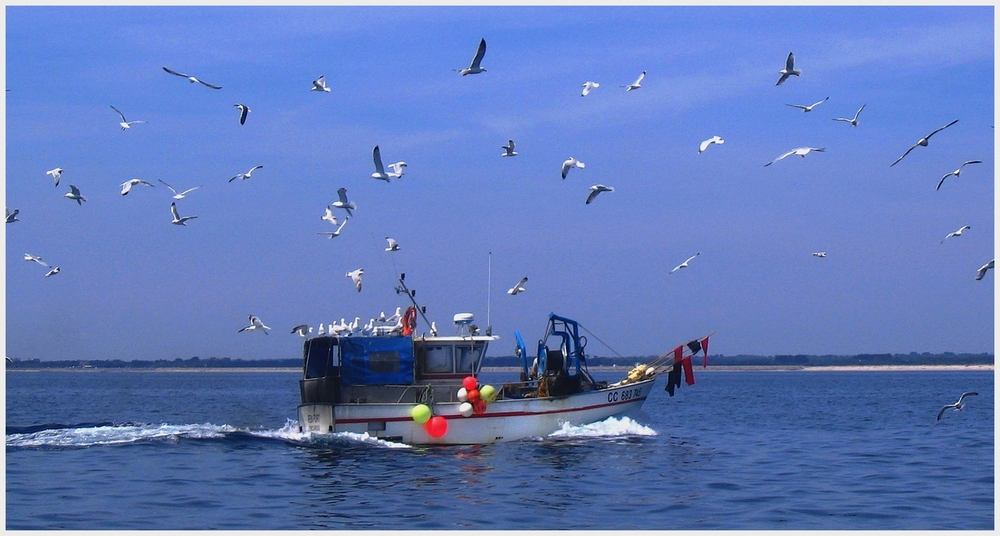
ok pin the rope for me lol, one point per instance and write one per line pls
(599, 340)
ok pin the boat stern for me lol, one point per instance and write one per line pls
(316, 418)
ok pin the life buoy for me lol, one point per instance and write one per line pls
(409, 321)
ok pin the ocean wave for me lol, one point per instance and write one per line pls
(610, 427)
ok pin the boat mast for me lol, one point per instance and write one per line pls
(489, 286)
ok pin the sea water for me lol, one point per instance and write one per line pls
(748, 450)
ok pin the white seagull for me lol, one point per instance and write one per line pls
(397, 169)
(74, 194)
(355, 276)
(245, 176)
(244, 110)
(12, 216)
(519, 287)
(854, 120)
(983, 269)
(508, 150)
(714, 139)
(191, 78)
(125, 124)
(343, 202)
(571, 163)
(335, 234)
(56, 173)
(394, 318)
(178, 195)
(127, 185)
(393, 245)
(328, 216)
(177, 219)
(321, 330)
(810, 107)
(956, 233)
(474, 67)
(587, 86)
(33, 258)
(819, 254)
(957, 406)
(302, 329)
(922, 142)
(380, 173)
(684, 264)
(957, 171)
(255, 324)
(320, 85)
(801, 151)
(637, 84)
(597, 189)
(789, 69)
(53, 271)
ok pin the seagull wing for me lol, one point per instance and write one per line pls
(799, 106)
(377, 157)
(171, 71)
(171, 187)
(565, 167)
(942, 180)
(120, 114)
(940, 413)
(480, 52)
(342, 193)
(927, 137)
(904, 155)
(209, 85)
(782, 79)
(970, 393)
(173, 210)
(790, 62)
(593, 193)
(856, 114)
(789, 153)
(970, 162)
(982, 270)
(639, 80)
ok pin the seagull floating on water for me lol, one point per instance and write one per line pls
(789, 69)
(810, 107)
(519, 287)
(571, 163)
(245, 176)
(956, 233)
(957, 406)
(637, 84)
(355, 276)
(801, 151)
(983, 269)
(854, 120)
(922, 142)
(52, 272)
(178, 195)
(713, 140)
(343, 202)
(177, 219)
(33, 258)
(127, 185)
(684, 264)
(191, 78)
(74, 194)
(957, 171)
(12, 216)
(125, 124)
(244, 110)
(393, 245)
(597, 189)
(319, 84)
(474, 67)
(255, 324)
(56, 173)
(302, 329)
(335, 234)
(587, 86)
(508, 150)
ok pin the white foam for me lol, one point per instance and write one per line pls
(115, 435)
(290, 432)
(610, 427)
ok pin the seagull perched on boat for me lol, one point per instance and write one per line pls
(637, 84)
(125, 124)
(355, 276)
(957, 406)
(335, 234)
(302, 329)
(74, 194)
(684, 264)
(801, 151)
(53, 271)
(810, 107)
(343, 202)
(244, 110)
(12, 216)
(474, 67)
(33, 258)
(854, 120)
(713, 140)
(178, 195)
(255, 324)
(127, 185)
(819, 254)
(394, 318)
(379, 169)
(245, 176)
(571, 163)
(177, 219)
(328, 216)
(56, 173)
(597, 189)
(789, 69)
(191, 78)
(957, 171)
(922, 142)
(587, 86)
(519, 287)
(397, 169)
(983, 269)
(393, 245)
(319, 84)
(956, 233)
(508, 150)
(321, 330)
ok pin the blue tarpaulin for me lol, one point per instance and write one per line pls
(376, 360)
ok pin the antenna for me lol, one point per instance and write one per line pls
(489, 286)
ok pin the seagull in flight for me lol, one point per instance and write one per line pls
(957, 406)
(397, 169)
(983, 269)
(30, 257)
(380, 173)
(474, 67)
(244, 110)
(819, 254)
(51, 272)
(319, 84)
(854, 120)
(519, 287)
(587, 86)
(957, 171)
(335, 234)
(789, 69)
(597, 189)
(393, 245)
(571, 163)
(508, 150)
(637, 84)
(956, 233)
(302, 329)
(56, 173)
(12, 216)
(328, 216)
(714, 139)
(177, 219)
(125, 124)
(922, 142)
(801, 151)
(343, 202)
(74, 194)
(684, 264)
(178, 195)
(191, 78)
(245, 176)
(355, 276)
(127, 185)
(255, 324)
(810, 107)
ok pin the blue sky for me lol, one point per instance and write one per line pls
(133, 286)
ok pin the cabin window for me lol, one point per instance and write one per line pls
(467, 358)
(383, 362)
(438, 359)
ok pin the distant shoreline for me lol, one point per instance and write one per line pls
(720, 368)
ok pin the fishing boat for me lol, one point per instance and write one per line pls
(395, 385)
